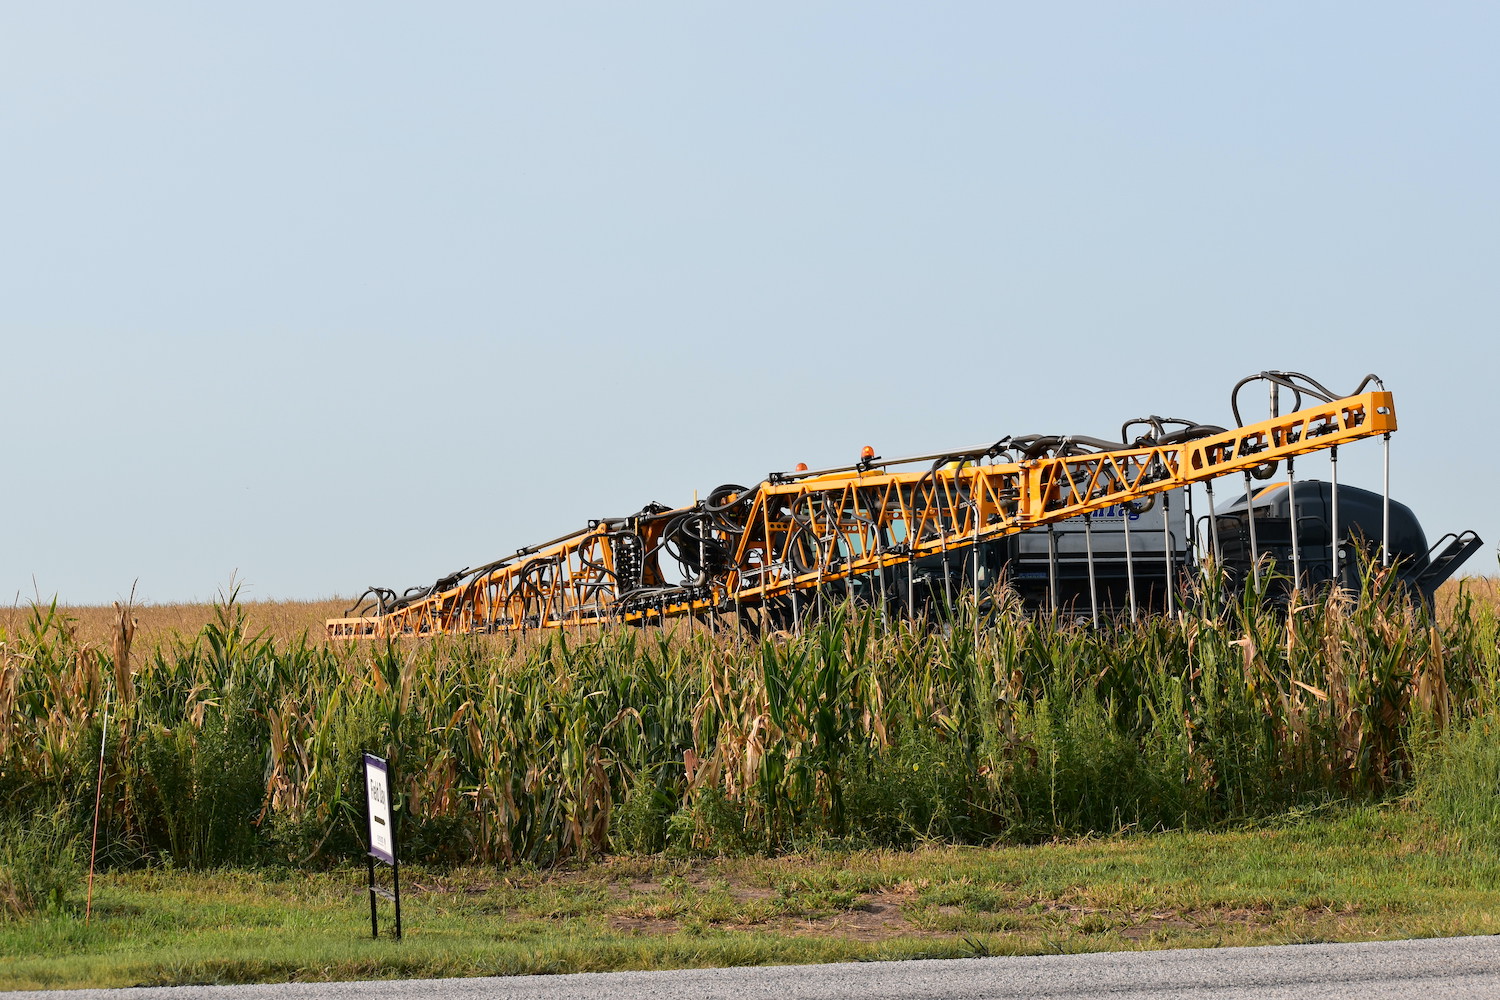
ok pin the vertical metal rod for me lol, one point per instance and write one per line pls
(911, 562)
(1291, 502)
(911, 580)
(1296, 564)
(848, 545)
(975, 547)
(947, 575)
(577, 607)
(1192, 538)
(1166, 536)
(1213, 526)
(1088, 539)
(885, 599)
(1126, 510)
(818, 600)
(708, 615)
(1333, 503)
(974, 554)
(792, 588)
(1250, 519)
(1385, 501)
(1052, 567)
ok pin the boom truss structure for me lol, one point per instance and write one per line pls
(793, 534)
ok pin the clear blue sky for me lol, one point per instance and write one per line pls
(334, 295)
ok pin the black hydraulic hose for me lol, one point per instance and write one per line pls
(717, 502)
(795, 546)
(1276, 378)
(1035, 446)
(688, 539)
(383, 597)
(1318, 390)
(1081, 444)
(1187, 430)
(588, 563)
(1192, 433)
(1152, 422)
(1300, 385)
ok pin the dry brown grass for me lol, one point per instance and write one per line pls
(1484, 589)
(95, 625)
(286, 620)
(283, 620)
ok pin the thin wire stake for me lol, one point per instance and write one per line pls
(88, 908)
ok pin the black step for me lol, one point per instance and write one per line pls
(1443, 564)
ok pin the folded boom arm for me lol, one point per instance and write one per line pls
(795, 532)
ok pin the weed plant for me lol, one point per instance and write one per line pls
(39, 862)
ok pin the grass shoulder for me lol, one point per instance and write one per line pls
(1361, 874)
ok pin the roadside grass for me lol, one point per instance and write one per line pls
(1364, 873)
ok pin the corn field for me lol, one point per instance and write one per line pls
(227, 747)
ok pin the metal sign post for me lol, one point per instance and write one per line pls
(382, 837)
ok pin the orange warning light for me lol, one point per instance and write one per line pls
(867, 453)
(801, 466)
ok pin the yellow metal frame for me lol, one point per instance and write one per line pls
(807, 532)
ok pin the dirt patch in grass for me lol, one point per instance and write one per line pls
(643, 925)
(875, 918)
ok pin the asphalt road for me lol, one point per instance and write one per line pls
(1411, 970)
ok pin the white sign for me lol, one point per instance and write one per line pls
(378, 795)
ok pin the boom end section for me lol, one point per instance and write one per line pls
(354, 628)
(1382, 412)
